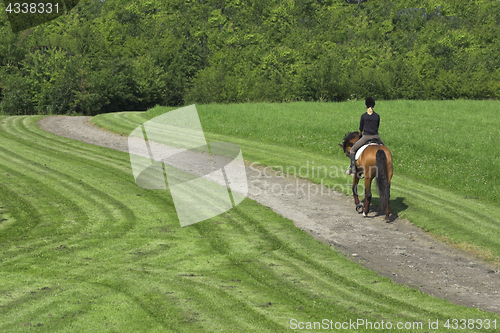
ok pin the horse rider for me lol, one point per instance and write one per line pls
(368, 130)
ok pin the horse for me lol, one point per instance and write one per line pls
(374, 162)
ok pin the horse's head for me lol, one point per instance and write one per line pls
(349, 141)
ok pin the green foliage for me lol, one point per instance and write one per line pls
(17, 100)
(134, 54)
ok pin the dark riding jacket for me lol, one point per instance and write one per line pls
(369, 127)
(369, 123)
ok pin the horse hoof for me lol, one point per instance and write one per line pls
(359, 208)
(364, 215)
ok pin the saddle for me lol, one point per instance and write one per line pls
(375, 141)
(363, 147)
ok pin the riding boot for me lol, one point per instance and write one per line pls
(352, 168)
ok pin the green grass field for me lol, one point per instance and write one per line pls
(85, 249)
(445, 156)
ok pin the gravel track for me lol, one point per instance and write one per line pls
(397, 250)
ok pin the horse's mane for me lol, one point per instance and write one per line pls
(348, 137)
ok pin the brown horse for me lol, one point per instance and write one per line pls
(375, 162)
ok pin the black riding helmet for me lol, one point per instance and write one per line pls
(370, 102)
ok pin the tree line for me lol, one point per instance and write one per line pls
(117, 55)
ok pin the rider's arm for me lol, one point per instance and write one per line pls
(361, 125)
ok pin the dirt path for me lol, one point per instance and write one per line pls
(397, 250)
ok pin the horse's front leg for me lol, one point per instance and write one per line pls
(355, 182)
(368, 195)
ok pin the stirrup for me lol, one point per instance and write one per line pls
(349, 171)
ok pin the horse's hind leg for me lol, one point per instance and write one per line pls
(389, 178)
(387, 211)
(368, 195)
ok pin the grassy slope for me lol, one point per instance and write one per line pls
(443, 182)
(82, 247)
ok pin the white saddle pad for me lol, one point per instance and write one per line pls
(360, 150)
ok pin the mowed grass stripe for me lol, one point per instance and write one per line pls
(63, 186)
(346, 291)
(455, 218)
(29, 192)
(215, 300)
(81, 307)
(329, 289)
(137, 270)
(121, 122)
(458, 208)
(60, 148)
(97, 207)
(35, 183)
(103, 205)
(19, 209)
(83, 156)
(27, 128)
(108, 160)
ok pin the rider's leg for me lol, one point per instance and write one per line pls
(352, 168)
(364, 139)
(354, 148)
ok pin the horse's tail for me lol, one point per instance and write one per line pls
(384, 190)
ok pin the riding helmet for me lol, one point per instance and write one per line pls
(370, 102)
